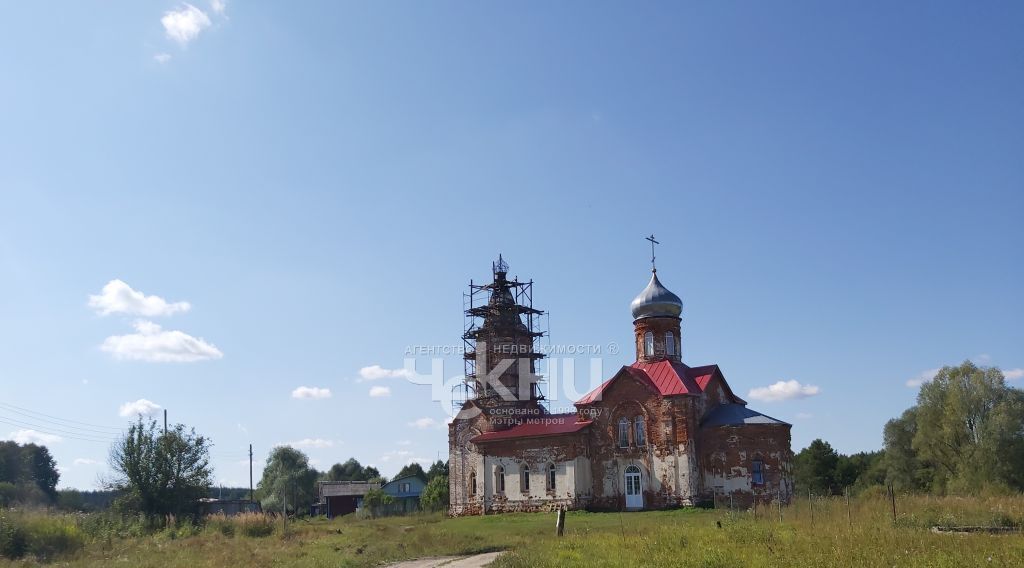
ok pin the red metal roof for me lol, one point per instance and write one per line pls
(639, 374)
(671, 378)
(667, 378)
(550, 425)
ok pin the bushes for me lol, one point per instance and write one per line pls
(45, 537)
(13, 541)
(253, 525)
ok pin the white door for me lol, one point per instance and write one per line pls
(634, 495)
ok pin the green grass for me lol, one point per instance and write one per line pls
(820, 534)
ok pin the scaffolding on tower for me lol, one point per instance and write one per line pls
(476, 306)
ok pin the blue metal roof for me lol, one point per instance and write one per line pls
(737, 415)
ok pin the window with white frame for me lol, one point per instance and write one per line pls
(524, 479)
(623, 433)
(670, 343)
(552, 476)
(639, 436)
(648, 344)
(472, 483)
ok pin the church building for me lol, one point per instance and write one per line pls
(659, 433)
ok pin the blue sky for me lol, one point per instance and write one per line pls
(838, 190)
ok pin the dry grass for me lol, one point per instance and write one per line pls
(822, 533)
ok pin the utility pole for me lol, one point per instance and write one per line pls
(165, 422)
(250, 473)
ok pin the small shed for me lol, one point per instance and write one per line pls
(342, 497)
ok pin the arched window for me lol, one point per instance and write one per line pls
(757, 472)
(499, 479)
(623, 433)
(670, 343)
(524, 479)
(552, 472)
(472, 483)
(648, 344)
(639, 435)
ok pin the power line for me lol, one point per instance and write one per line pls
(62, 434)
(23, 410)
(28, 414)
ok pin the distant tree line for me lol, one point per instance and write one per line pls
(964, 435)
(28, 475)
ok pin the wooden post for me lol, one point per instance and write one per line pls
(849, 515)
(250, 473)
(810, 506)
(560, 522)
(892, 499)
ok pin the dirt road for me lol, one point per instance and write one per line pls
(475, 561)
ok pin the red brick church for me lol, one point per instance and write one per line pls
(658, 433)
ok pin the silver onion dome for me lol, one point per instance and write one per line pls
(656, 301)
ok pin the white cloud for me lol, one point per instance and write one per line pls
(923, 378)
(85, 461)
(141, 406)
(310, 443)
(783, 390)
(183, 25)
(983, 359)
(424, 423)
(1013, 374)
(311, 392)
(395, 454)
(376, 372)
(219, 6)
(378, 392)
(153, 344)
(162, 57)
(33, 437)
(117, 297)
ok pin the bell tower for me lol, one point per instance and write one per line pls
(502, 329)
(657, 320)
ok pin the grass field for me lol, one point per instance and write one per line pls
(825, 534)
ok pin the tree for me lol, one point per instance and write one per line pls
(859, 470)
(30, 473)
(161, 473)
(412, 469)
(287, 476)
(969, 426)
(435, 495)
(814, 468)
(375, 499)
(437, 468)
(351, 470)
(903, 470)
(41, 469)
